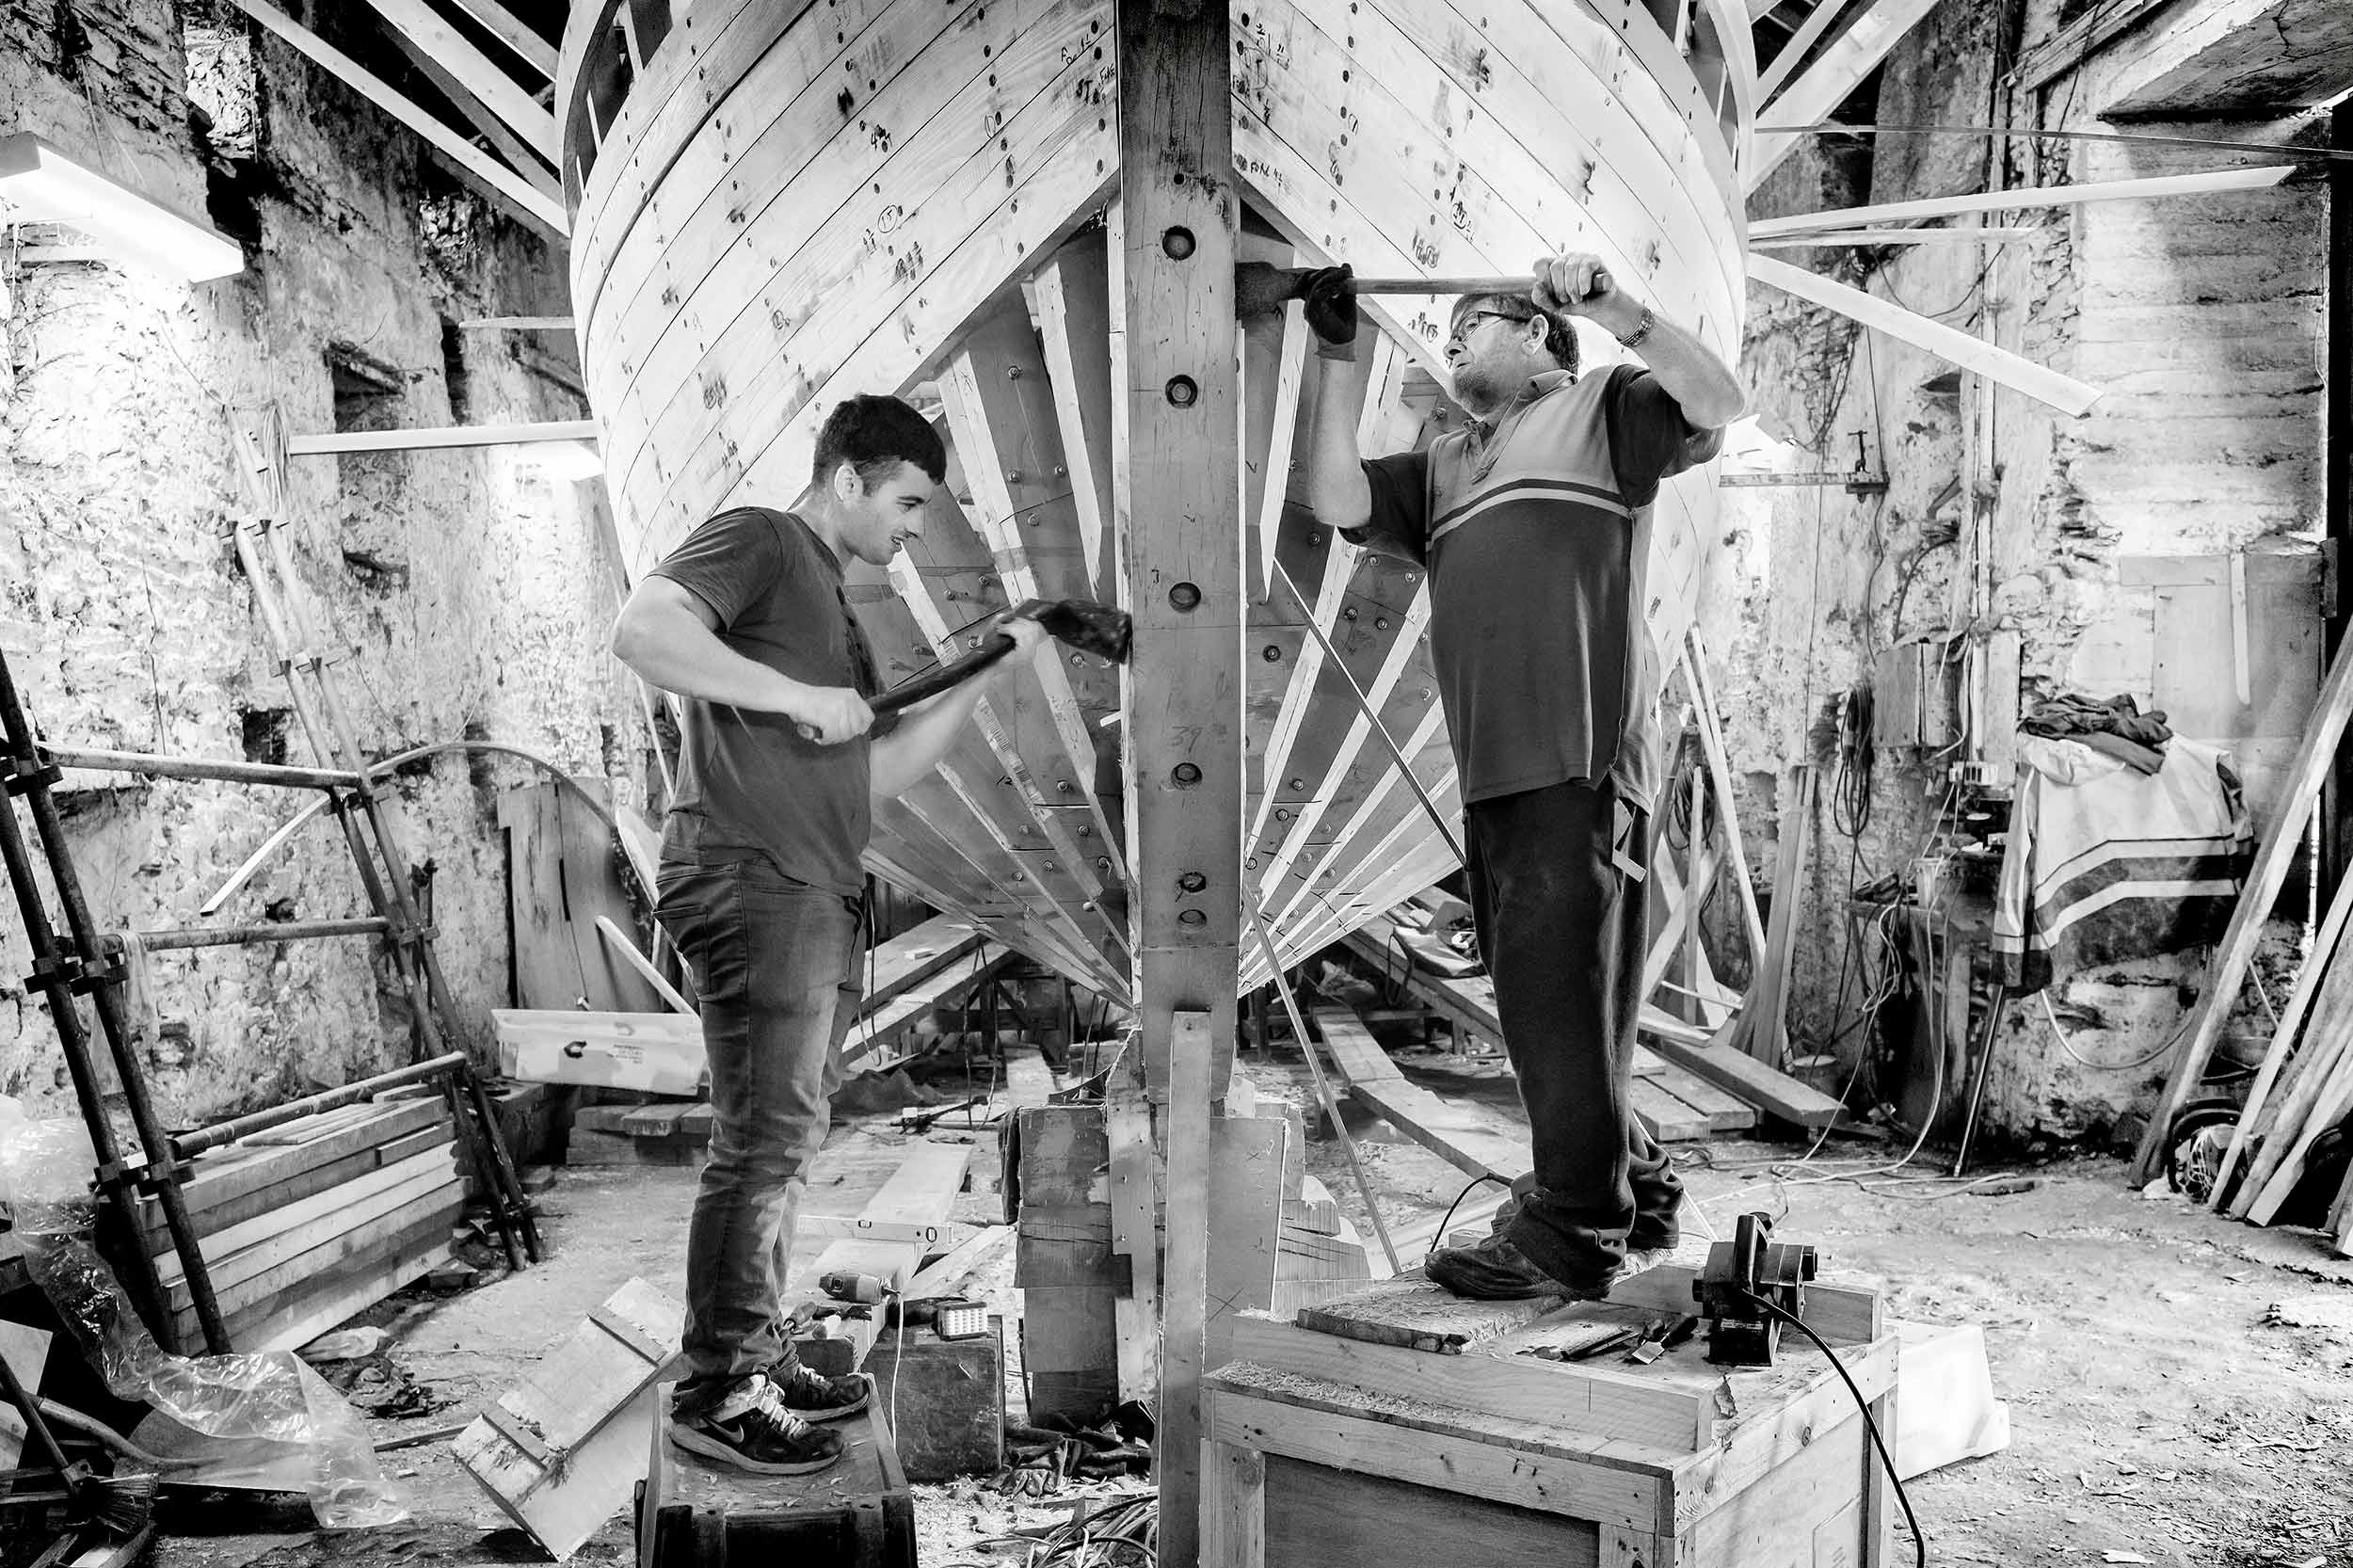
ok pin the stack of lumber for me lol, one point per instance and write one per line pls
(308, 1223)
(2303, 1088)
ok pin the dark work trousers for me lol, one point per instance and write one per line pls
(1559, 886)
(776, 964)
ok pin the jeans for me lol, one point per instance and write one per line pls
(1560, 891)
(776, 963)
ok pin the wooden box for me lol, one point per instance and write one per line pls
(694, 1513)
(1323, 1451)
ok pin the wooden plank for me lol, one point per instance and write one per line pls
(1233, 1506)
(1075, 322)
(920, 1192)
(1135, 1236)
(2285, 1035)
(1843, 1315)
(656, 1054)
(1833, 74)
(2028, 198)
(560, 1450)
(1411, 1313)
(1473, 1139)
(297, 1321)
(878, 1027)
(1570, 1395)
(510, 190)
(2314, 759)
(1245, 1213)
(1185, 1298)
(1767, 1088)
(1794, 51)
(360, 1251)
(502, 24)
(1445, 1448)
(235, 1251)
(2063, 392)
(906, 961)
(435, 438)
(241, 1179)
(424, 34)
(1725, 1113)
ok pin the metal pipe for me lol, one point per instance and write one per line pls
(161, 1174)
(158, 766)
(45, 1440)
(268, 930)
(189, 1144)
(1332, 657)
(1324, 1087)
(1983, 1070)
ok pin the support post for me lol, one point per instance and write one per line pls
(1178, 536)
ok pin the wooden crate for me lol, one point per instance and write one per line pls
(1330, 1453)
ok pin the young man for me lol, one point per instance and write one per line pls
(1534, 526)
(762, 886)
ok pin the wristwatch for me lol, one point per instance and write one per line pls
(1642, 330)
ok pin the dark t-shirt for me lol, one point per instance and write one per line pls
(1536, 535)
(747, 780)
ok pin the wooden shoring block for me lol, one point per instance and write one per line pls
(1596, 1398)
(554, 1451)
(920, 1192)
(1233, 1505)
(1190, 1268)
(1245, 1203)
(1134, 1202)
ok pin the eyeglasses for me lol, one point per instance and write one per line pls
(1470, 324)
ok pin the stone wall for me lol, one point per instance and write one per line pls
(2203, 318)
(467, 592)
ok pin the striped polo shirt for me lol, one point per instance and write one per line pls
(1535, 529)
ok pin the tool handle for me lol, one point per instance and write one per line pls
(934, 682)
(1518, 284)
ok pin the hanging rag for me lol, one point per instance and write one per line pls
(2104, 862)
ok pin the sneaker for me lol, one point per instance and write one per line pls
(1496, 1271)
(814, 1397)
(750, 1430)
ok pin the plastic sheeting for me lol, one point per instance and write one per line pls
(248, 1405)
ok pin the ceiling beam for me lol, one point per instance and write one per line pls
(493, 130)
(2025, 198)
(1770, 80)
(2063, 392)
(502, 24)
(494, 178)
(453, 56)
(1843, 65)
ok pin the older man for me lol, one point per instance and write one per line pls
(1534, 525)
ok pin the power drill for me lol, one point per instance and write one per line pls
(843, 1285)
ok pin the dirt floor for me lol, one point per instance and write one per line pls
(2178, 1383)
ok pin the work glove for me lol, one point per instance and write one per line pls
(1331, 309)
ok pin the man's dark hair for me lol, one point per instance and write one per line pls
(874, 435)
(1559, 335)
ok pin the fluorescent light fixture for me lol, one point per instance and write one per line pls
(577, 461)
(40, 184)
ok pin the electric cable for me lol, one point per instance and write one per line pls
(1919, 1538)
(1468, 1187)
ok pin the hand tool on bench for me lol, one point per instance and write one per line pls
(1101, 629)
(1261, 288)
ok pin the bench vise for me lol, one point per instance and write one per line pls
(1741, 1276)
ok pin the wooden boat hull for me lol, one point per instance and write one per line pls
(778, 205)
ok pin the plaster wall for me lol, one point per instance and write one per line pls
(2202, 319)
(466, 593)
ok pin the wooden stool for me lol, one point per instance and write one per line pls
(1507, 1458)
